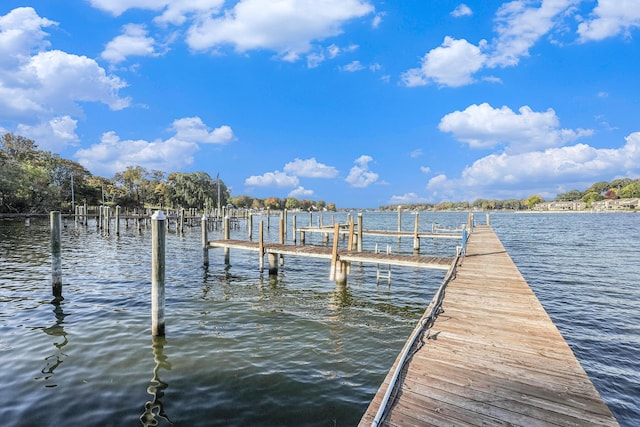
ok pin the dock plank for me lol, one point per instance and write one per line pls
(494, 357)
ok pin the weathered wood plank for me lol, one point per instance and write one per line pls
(494, 357)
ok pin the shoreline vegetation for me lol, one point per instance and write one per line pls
(34, 182)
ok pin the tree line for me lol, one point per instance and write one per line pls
(34, 181)
(624, 188)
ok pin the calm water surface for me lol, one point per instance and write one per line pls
(246, 349)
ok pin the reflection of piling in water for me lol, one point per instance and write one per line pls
(155, 408)
(54, 360)
(56, 258)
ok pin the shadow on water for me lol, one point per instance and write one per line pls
(54, 360)
(154, 408)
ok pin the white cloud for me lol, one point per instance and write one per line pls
(41, 89)
(407, 198)
(482, 126)
(425, 169)
(300, 193)
(21, 32)
(360, 176)
(310, 168)
(352, 67)
(416, 153)
(132, 42)
(461, 10)
(331, 52)
(610, 18)
(272, 179)
(178, 11)
(192, 129)
(451, 64)
(377, 20)
(288, 27)
(52, 135)
(543, 171)
(174, 12)
(117, 7)
(519, 27)
(113, 155)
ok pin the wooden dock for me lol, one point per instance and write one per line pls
(492, 357)
(323, 252)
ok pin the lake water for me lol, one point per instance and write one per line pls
(243, 348)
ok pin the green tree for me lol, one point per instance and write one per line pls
(292, 203)
(272, 203)
(194, 190)
(598, 187)
(631, 190)
(591, 197)
(569, 196)
(244, 202)
(532, 201)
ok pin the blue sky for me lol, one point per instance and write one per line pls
(357, 102)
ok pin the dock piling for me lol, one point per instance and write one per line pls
(227, 234)
(416, 239)
(56, 255)
(158, 237)
(261, 245)
(205, 241)
(117, 220)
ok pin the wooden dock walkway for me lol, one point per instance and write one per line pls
(493, 357)
(323, 252)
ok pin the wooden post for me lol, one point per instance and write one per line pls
(488, 219)
(360, 229)
(227, 233)
(268, 218)
(205, 240)
(310, 218)
(273, 264)
(350, 241)
(282, 231)
(99, 218)
(294, 230)
(399, 222)
(56, 255)
(416, 239)
(341, 272)
(261, 245)
(464, 242)
(118, 220)
(334, 252)
(158, 237)
(250, 225)
(285, 220)
(106, 219)
(180, 225)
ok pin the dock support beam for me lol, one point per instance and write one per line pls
(56, 255)
(158, 237)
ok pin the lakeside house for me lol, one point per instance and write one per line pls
(601, 205)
